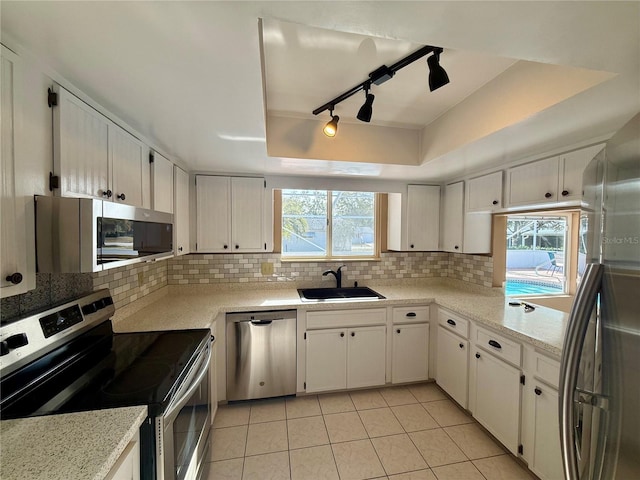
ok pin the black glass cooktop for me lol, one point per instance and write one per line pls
(104, 370)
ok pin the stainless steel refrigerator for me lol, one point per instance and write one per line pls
(600, 372)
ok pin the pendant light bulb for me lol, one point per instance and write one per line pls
(437, 75)
(331, 128)
(366, 110)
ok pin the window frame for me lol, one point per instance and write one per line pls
(378, 221)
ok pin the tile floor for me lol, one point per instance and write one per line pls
(398, 433)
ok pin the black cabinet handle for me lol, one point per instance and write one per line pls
(495, 202)
(495, 344)
(353, 334)
(477, 355)
(456, 247)
(461, 345)
(107, 193)
(411, 245)
(225, 246)
(565, 193)
(121, 196)
(548, 195)
(451, 322)
(410, 314)
(14, 278)
(342, 334)
(179, 249)
(398, 331)
(538, 391)
(237, 247)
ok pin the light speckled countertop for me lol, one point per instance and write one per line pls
(82, 445)
(197, 306)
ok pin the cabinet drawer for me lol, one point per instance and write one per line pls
(417, 314)
(546, 369)
(453, 322)
(500, 346)
(346, 318)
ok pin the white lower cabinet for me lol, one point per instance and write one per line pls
(546, 461)
(410, 353)
(496, 390)
(341, 358)
(127, 467)
(453, 365)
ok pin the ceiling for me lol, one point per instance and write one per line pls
(189, 75)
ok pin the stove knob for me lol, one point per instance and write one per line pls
(89, 309)
(16, 341)
(4, 348)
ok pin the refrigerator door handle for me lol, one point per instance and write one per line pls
(583, 305)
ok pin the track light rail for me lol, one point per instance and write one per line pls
(379, 76)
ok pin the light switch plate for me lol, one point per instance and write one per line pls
(266, 268)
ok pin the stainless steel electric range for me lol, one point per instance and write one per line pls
(67, 359)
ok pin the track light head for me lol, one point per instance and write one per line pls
(331, 128)
(437, 75)
(366, 110)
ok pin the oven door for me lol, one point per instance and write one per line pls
(182, 442)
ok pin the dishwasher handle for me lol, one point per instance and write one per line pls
(263, 322)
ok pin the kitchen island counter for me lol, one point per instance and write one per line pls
(75, 445)
(197, 306)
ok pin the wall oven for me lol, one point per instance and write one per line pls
(68, 359)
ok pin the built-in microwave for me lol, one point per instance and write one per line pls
(76, 235)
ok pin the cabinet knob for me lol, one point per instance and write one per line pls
(477, 355)
(342, 334)
(411, 245)
(14, 278)
(461, 345)
(107, 193)
(456, 247)
(538, 391)
(237, 247)
(225, 246)
(179, 249)
(565, 193)
(353, 334)
(121, 196)
(548, 195)
(495, 202)
(398, 331)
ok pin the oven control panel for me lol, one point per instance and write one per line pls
(60, 321)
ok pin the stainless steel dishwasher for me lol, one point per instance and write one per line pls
(261, 354)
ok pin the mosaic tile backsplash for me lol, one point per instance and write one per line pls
(130, 283)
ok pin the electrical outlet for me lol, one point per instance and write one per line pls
(266, 268)
(140, 278)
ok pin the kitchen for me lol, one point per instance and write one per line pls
(86, 49)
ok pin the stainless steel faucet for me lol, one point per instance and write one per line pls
(337, 274)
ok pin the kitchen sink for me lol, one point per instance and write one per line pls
(353, 293)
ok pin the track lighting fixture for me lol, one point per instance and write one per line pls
(331, 128)
(366, 110)
(437, 78)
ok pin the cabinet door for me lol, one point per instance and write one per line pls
(497, 403)
(533, 183)
(423, 217)
(453, 217)
(484, 194)
(213, 220)
(572, 167)
(130, 167)
(247, 210)
(162, 184)
(366, 355)
(327, 360)
(181, 211)
(547, 461)
(453, 365)
(81, 148)
(410, 353)
(13, 227)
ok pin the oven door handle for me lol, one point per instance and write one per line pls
(177, 404)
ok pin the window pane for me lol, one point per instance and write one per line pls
(304, 223)
(536, 255)
(353, 224)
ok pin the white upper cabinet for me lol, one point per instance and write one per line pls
(572, 167)
(230, 214)
(413, 222)
(96, 158)
(162, 184)
(181, 211)
(16, 275)
(533, 183)
(130, 174)
(484, 194)
(453, 217)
